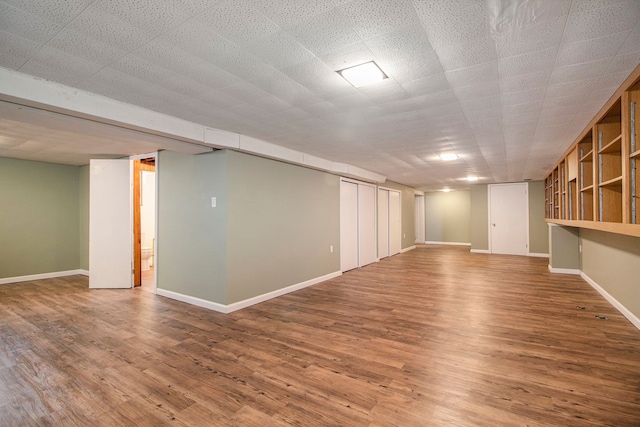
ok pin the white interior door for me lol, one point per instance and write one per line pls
(348, 225)
(420, 219)
(508, 219)
(367, 224)
(110, 230)
(395, 223)
(383, 223)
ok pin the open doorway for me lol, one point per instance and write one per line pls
(144, 218)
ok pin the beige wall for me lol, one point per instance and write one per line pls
(448, 217)
(613, 262)
(408, 212)
(479, 228)
(538, 229)
(192, 239)
(282, 221)
(39, 218)
(564, 247)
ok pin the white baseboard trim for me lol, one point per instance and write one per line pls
(264, 297)
(564, 270)
(614, 302)
(41, 276)
(221, 308)
(229, 308)
(480, 251)
(431, 242)
(410, 248)
(533, 254)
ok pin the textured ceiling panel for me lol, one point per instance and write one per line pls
(24, 24)
(507, 92)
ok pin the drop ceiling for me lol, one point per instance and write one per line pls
(505, 84)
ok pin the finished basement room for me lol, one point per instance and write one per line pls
(319, 213)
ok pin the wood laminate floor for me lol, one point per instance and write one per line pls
(433, 337)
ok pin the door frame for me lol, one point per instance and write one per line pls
(375, 219)
(136, 235)
(526, 186)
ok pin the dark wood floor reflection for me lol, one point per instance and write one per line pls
(436, 336)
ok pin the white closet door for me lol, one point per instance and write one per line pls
(509, 223)
(348, 225)
(395, 223)
(110, 229)
(367, 224)
(383, 223)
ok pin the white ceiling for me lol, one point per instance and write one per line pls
(507, 88)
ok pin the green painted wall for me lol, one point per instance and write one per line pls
(479, 224)
(613, 262)
(408, 196)
(448, 217)
(83, 231)
(538, 228)
(564, 247)
(39, 218)
(282, 219)
(191, 257)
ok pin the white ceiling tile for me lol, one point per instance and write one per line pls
(317, 77)
(288, 13)
(523, 97)
(405, 44)
(465, 55)
(525, 81)
(448, 26)
(582, 88)
(238, 21)
(374, 18)
(325, 33)
(600, 22)
(476, 91)
(473, 75)
(529, 62)
(279, 50)
(58, 11)
(591, 50)
(425, 85)
(52, 64)
(420, 67)
(536, 37)
(26, 25)
(110, 30)
(144, 70)
(624, 63)
(577, 72)
(348, 56)
(81, 46)
(15, 50)
(152, 16)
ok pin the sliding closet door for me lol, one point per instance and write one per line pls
(395, 223)
(367, 224)
(383, 223)
(348, 225)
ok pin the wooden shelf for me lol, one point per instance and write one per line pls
(614, 181)
(612, 147)
(601, 189)
(610, 227)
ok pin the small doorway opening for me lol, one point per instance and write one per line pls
(144, 223)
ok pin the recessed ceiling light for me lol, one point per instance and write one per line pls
(363, 74)
(448, 156)
(472, 178)
(446, 190)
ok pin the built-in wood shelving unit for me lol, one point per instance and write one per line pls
(596, 183)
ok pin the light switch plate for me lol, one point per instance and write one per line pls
(213, 202)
